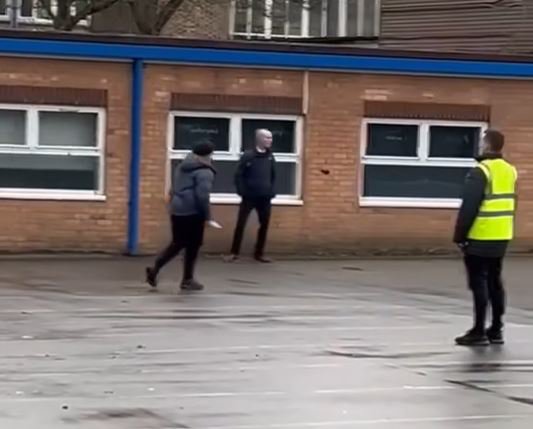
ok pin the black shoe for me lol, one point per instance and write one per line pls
(191, 286)
(151, 277)
(472, 339)
(263, 259)
(495, 336)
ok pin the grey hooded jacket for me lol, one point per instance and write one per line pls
(191, 187)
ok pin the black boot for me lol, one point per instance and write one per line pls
(495, 335)
(151, 276)
(473, 338)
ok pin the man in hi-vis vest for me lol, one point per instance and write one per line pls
(485, 226)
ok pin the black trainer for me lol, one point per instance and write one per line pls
(191, 286)
(495, 336)
(472, 339)
(151, 277)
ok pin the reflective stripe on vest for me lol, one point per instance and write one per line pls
(495, 220)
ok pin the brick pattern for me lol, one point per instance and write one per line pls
(330, 218)
(48, 95)
(445, 112)
(200, 19)
(237, 103)
(73, 225)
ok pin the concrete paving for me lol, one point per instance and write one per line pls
(345, 344)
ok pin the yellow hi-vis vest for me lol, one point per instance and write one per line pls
(495, 220)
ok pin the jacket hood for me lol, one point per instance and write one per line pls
(191, 163)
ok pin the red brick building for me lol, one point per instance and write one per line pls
(372, 146)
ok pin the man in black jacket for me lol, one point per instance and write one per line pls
(484, 255)
(255, 181)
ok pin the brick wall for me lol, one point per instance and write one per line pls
(73, 225)
(331, 218)
(202, 19)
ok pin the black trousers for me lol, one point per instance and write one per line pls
(485, 282)
(263, 206)
(187, 233)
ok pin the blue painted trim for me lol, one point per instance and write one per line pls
(135, 155)
(259, 58)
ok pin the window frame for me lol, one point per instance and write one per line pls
(32, 147)
(35, 19)
(422, 159)
(342, 20)
(235, 150)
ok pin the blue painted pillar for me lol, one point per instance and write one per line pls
(135, 154)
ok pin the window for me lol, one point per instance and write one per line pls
(232, 134)
(33, 12)
(266, 19)
(48, 152)
(417, 163)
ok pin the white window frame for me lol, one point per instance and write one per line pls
(342, 24)
(235, 151)
(32, 147)
(35, 19)
(422, 159)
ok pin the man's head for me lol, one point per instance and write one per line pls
(263, 139)
(203, 150)
(493, 142)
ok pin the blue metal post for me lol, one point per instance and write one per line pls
(135, 160)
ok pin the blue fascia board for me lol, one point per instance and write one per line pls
(262, 58)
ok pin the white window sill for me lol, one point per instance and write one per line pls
(234, 200)
(421, 203)
(51, 196)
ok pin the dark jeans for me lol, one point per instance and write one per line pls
(263, 206)
(187, 233)
(485, 282)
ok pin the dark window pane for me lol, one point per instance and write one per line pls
(315, 18)
(286, 178)
(352, 25)
(279, 16)
(224, 179)
(258, 17)
(27, 8)
(67, 129)
(414, 182)
(189, 131)
(369, 21)
(295, 17)
(453, 142)
(13, 127)
(49, 172)
(392, 140)
(241, 14)
(3, 10)
(333, 18)
(283, 133)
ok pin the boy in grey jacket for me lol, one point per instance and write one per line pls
(189, 210)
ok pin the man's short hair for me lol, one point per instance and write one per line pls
(495, 140)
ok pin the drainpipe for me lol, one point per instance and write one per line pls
(135, 155)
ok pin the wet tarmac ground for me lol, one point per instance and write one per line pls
(294, 345)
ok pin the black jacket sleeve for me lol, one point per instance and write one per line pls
(273, 177)
(240, 179)
(473, 195)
